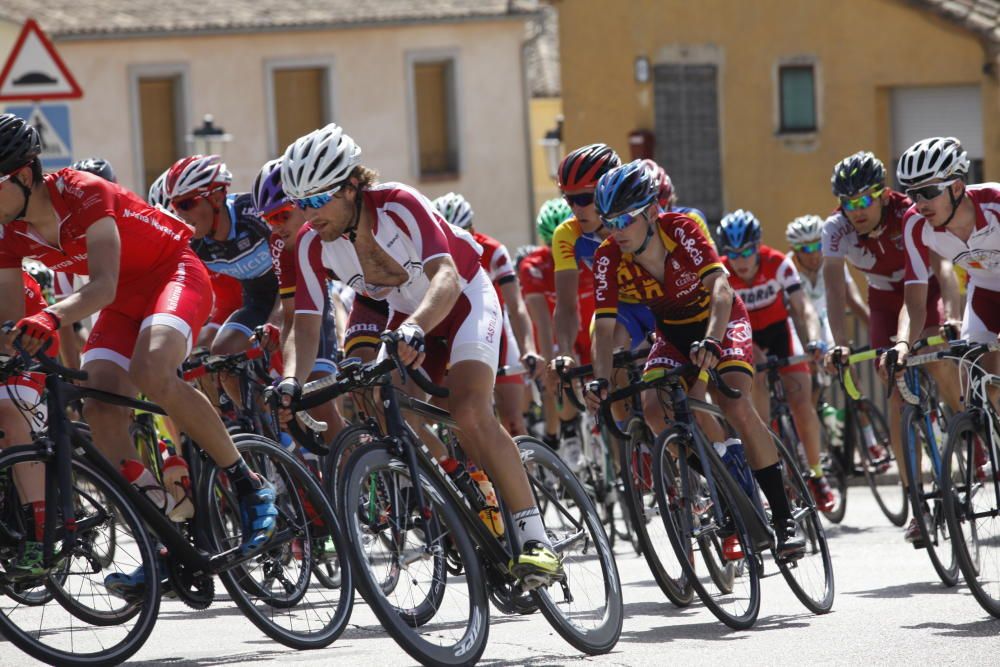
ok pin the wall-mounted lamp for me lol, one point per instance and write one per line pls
(641, 69)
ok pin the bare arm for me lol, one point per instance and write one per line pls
(567, 314)
(103, 260)
(441, 295)
(951, 296)
(722, 304)
(518, 314)
(11, 309)
(602, 348)
(339, 317)
(914, 313)
(856, 303)
(804, 316)
(836, 298)
(287, 317)
(301, 345)
(538, 309)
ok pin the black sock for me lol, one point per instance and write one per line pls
(773, 487)
(242, 477)
(567, 428)
(552, 440)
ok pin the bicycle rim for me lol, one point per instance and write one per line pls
(57, 632)
(891, 497)
(436, 618)
(273, 590)
(586, 608)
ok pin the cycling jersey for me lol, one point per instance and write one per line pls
(367, 319)
(979, 256)
(496, 261)
(816, 291)
(764, 296)
(537, 276)
(697, 216)
(881, 258)
(160, 280)
(227, 298)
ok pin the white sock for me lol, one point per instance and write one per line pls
(530, 527)
(869, 434)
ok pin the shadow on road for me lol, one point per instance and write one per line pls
(904, 590)
(231, 659)
(987, 628)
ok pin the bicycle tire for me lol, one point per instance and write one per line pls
(896, 513)
(935, 535)
(964, 501)
(564, 615)
(643, 507)
(274, 605)
(830, 458)
(814, 589)
(738, 610)
(349, 439)
(467, 643)
(111, 644)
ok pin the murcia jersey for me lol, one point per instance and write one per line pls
(245, 253)
(881, 258)
(765, 295)
(979, 256)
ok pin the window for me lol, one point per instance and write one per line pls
(299, 100)
(797, 89)
(159, 125)
(435, 118)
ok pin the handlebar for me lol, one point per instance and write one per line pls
(46, 363)
(198, 366)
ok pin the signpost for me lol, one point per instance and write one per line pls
(34, 71)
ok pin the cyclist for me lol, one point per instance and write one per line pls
(667, 199)
(664, 261)
(149, 287)
(96, 166)
(867, 230)
(537, 277)
(158, 192)
(26, 390)
(388, 242)
(805, 238)
(232, 240)
(766, 280)
(516, 335)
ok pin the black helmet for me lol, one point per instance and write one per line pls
(19, 143)
(96, 166)
(856, 173)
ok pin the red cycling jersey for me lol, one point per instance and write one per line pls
(537, 275)
(495, 260)
(764, 295)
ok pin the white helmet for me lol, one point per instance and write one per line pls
(318, 162)
(455, 210)
(158, 192)
(197, 174)
(932, 160)
(804, 229)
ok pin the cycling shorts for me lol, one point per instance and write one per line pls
(780, 340)
(470, 332)
(638, 320)
(368, 318)
(885, 306)
(510, 355)
(981, 323)
(672, 345)
(173, 296)
(259, 296)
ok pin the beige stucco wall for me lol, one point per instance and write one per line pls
(862, 47)
(226, 77)
(544, 114)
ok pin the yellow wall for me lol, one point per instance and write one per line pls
(863, 48)
(544, 112)
(226, 77)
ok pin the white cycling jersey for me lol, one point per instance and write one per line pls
(816, 291)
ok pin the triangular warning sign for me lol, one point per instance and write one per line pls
(53, 146)
(34, 71)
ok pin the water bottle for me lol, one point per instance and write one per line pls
(465, 484)
(177, 480)
(491, 514)
(833, 421)
(147, 485)
(732, 454)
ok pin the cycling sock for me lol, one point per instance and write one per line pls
(868, 434)
(530, 527)
(551, 440)
(567, 428)
(817, 470)
(244, 479)
(34, 520)
(773, 487)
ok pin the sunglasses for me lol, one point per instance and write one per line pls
(318, 200)
(864, 201)
(809, 248)
(928, 192)
(580, 200)
(6, 177)
(279, 216)
(748, 251)
(623, 220)
(186, 204)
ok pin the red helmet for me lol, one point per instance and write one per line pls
(197, 174)
(581, 169)
(666, 185)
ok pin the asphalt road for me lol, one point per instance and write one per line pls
(889, 609)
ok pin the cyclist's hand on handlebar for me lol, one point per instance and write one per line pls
(818, 350)
(951, 330)
(37, 330)
(896, 357)
(267, 336)
(410, 344)
(533, 364)
(595, 391)
(836, 356)
(288, 390)
(551, 379)
(706, 353)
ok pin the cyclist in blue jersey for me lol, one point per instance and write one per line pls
(231, 239)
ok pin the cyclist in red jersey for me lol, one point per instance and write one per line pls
(150, 289)
(765, 280)
(867, 230)
(666, 262)
(510, 389)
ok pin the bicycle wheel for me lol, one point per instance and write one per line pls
(877, 460)
(810, 575)
(830, 458)
(349, 439)
(273, 589)
(437, 619)
(586, 607)
(693, 521)
(638, 473)
(972, 508)
(58, 634)
(926, 499)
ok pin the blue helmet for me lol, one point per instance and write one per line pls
(738, 229)
(625, 189)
